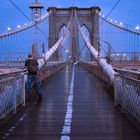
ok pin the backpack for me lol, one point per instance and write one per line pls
(32, 67)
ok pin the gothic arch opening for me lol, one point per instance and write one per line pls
(62, 30)
(64, 50)
(85, 54)
(85, 30)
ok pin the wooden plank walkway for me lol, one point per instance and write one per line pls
(93, 114)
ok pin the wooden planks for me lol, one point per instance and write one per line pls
(94, 115)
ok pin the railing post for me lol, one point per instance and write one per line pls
(14, 98)
(24, 94)
(109, 54)
(98, 52)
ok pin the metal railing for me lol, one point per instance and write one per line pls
(50, 69)
(12, 94)
(94, 68)
(129, 73)
(127, 94)
(12, 87)
(13, 56)
(125, 56)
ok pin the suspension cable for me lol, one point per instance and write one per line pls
(84, 46)
(23, 29)
(120, 27)
(106, 67)
(57, 44)
(111, 49)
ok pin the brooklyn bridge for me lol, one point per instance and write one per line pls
(89, 68)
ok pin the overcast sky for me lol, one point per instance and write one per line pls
(127, 11)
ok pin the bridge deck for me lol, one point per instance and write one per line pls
(94, 116)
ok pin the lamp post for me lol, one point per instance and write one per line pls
(36, 8)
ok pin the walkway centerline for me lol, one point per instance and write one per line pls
(68, 117)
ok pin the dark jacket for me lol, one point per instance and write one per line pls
(32, 66)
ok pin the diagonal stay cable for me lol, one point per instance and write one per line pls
(20, 10)
(26, 16)
(113, 8)
(109, 13)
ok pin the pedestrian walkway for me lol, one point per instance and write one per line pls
(76, 106)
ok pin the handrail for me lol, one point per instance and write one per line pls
(10, 74)
(127, 94)
(127, 77)
(128, 73)
(12, 94)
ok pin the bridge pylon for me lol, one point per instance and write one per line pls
(60, 17)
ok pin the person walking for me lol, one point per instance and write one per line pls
(32, 77)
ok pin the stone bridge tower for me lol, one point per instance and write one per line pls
(60, 17)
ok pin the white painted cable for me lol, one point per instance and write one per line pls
(56, 46)
(108, 69)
